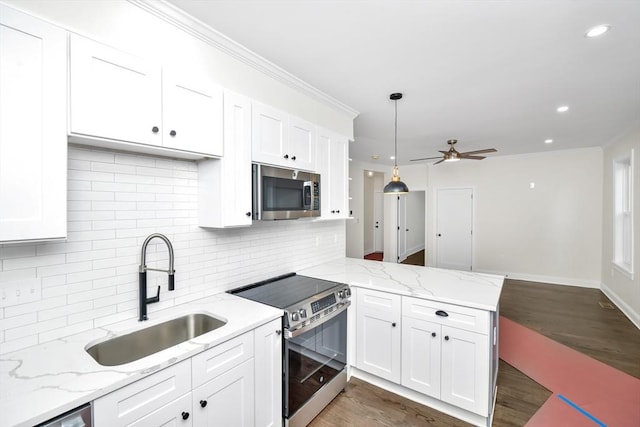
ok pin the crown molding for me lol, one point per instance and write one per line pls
(180, 19)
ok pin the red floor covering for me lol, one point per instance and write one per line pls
(602, 395)
(375, 256)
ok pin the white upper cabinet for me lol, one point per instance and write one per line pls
(116, 96)
(190, 107)
(332, 164)
(302, 143)
(33, 143)
(224, 185)
(282, 140)
(269, 139)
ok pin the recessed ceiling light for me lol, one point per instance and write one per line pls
(562, 109)
(375, 156)
(370, 173)
(548, 141)
(598, 30)
(392, 158)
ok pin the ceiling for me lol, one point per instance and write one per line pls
(488, 73)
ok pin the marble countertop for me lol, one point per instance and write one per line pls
(43, 381)
(475, 290)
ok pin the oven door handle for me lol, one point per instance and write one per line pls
(292, 334)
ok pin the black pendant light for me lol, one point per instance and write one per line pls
(395, 186)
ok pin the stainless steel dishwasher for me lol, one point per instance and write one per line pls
(79, 417)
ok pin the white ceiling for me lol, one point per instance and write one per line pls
(489, 73)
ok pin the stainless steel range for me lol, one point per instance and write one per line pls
(315, 344)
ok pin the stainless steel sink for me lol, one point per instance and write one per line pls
(136, 345)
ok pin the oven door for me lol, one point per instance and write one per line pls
(312, 359)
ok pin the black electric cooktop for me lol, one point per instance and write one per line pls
(285, 291)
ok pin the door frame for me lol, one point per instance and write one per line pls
(434, 222)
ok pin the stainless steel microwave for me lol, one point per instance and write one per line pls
(284, 193)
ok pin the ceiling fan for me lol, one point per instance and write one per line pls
(453, 155)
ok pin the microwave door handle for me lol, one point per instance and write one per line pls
(307, 195)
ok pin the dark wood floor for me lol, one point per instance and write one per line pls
(415, 259)
(569, 315)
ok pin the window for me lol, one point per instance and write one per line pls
(623, 213)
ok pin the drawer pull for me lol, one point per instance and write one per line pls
(433, 334)
(185, 415)
(442, 313)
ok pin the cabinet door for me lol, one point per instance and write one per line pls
(176, 413)
(268, 366)
(322, 166)
(224, 187)
(421, 356)
(191, 114)
(302, 144)
(332, 160)
(338, 164)
(378, 334)
(114, 95)
(269, 137)
(465, 370)
(33, 143)
(139, 399)
(227, 400)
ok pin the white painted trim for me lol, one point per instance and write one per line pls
(554, 280)
(196, 28)
(415, 249)
(631, 314)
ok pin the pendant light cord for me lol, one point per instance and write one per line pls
(395, 151)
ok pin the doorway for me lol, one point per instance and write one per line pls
(454, 228)
(373, 215)
(411, 228)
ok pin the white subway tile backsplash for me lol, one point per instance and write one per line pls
(115, 201)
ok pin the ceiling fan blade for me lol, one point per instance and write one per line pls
(439, 162)
(462, 156)
(443, 152)
(425, 158)
(488, 150)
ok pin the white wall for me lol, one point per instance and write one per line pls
(367, 214)
(127, 27)
(114, 201)
(622, 290)
(551, 233)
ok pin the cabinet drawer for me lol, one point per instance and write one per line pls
(459, 317)
(379, 302)
(211, 363)
(132, 402)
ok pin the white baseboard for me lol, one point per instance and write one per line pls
(368, 251)
(623, 306)
(415, 249)
(567, 281)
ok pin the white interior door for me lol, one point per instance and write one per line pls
(454, 228)
(378, 222)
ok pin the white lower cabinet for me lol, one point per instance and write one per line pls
(229, 385)
(227, 400)
(268, 363)
(421, 343)
(444, 351)
(378, 334)
(176, 413)
(446, 363)
(130, 404)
